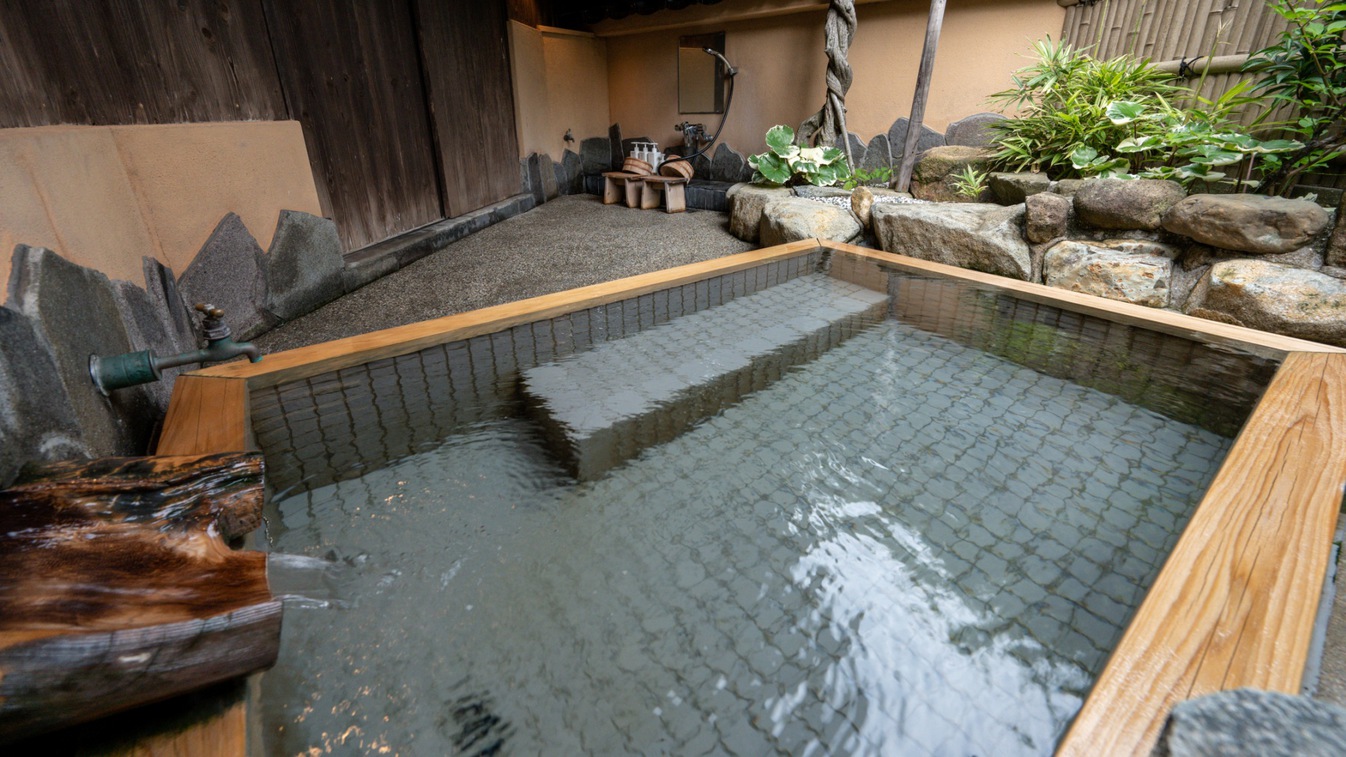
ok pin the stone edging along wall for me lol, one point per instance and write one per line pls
(1268, 263)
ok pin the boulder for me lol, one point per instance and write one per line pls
(1336, 246)
(74, 311)
(973, 131)
(615, 147)
(746, 202)
(304, 267)
(877, 154)
(726, 164)
(1247, 223)
(230, 273)
(1047, 216)
(1123, 270)
(37, 419)
(933, 176)
(857, 145)
(1251, 723)
(1126, 204)
(812, 192)
(862, 205)
(1013, 188)
(1200, 254)
(596, 155)
(897, 139)
(1271, 297)
(162, 289)
(1068, 187)
(545, 170)
(980, 237)
(790, 219)
(574, 172)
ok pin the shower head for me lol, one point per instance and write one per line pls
(728, 69)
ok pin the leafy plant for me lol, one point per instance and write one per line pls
(1116, 118)
(1305, 69)
(969, 183)
(784, 162)
(860, 177)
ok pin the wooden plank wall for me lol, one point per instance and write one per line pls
(1168, 30)
(135, 62)
(351, 76)
(465, 51)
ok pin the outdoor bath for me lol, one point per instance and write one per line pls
(918, 517)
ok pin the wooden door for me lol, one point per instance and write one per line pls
(351, 75)
(465, 52)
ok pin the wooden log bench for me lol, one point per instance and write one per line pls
(620, 186)
(672, 189)
(118, 587)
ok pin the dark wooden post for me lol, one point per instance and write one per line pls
(903, 179)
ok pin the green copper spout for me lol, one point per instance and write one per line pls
(134, 368)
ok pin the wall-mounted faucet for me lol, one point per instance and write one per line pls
(134, 368)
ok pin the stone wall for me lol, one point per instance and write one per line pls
(58, 313)
(1268, 263)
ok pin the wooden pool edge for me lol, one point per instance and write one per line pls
(1250, 625)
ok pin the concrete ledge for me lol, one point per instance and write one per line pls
(377, 260)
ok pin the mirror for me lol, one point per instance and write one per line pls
(700, 76)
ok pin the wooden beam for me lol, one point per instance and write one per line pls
(702, 16)
(932, 26)
(1236, 601)
(206, 414)
(356, 350)
(1260, 343)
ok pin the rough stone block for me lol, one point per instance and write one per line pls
(615, 146)
(1271, 297)
(973, 131)
(1250, 723)
(573, 166)
(1247, 223)
(1336, 246)
(596, 155)
(980, 237)
(1124, 270)
(727, 164)
(933, 176)
(1014, 188)
(73, 309)
(1046, 217)
(547, 178)
(162, 289)
(897, 139)
(149, 329)
(304, 265)
(877, 154)
(37, 419)
(746, 202)
(230, 273)
(791, 219)
(1123, 204)
(857, 145)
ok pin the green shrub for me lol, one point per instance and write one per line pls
(1305, 69)
(787, 163)
(861, 178)
(1081, 117)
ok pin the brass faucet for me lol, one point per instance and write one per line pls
(134, 368)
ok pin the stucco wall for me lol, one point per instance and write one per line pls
(781, 67)
(104, 196)
(560, 83)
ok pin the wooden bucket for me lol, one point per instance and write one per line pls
(637, 166)
(677, 168)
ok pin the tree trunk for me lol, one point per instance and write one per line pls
(829, 123)
(932, 26)
(117, 586)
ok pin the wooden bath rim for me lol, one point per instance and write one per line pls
(1234, 605)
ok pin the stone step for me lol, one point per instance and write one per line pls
(602, 407)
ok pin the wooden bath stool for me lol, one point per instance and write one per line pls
(672, 189)
(620, 185)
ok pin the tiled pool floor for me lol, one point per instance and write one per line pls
(904, 547)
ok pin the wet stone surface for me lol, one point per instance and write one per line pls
(903, 547)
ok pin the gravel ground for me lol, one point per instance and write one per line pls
(569, 242)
